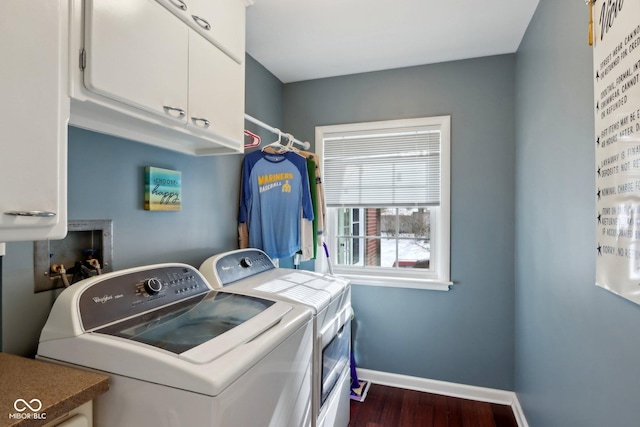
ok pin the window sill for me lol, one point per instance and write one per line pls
(396, 282)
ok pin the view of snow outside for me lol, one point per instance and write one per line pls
(408, 249)
(404, 237)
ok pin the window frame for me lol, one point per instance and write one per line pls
(439, 278)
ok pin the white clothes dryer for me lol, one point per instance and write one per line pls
(181, 354)
(252, 272)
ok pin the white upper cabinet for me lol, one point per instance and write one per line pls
(143, 74)
(33, 119)
(137, 53)
(129, 68)
(220, 21)
(216, 90)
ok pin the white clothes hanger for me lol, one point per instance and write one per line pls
(289, 146)
(276, 144)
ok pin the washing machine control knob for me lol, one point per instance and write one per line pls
(152, 286)
(246, 262)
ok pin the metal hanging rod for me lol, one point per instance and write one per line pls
(277, 131)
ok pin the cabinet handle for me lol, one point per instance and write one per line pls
(41, 214)
(202, 22)
(205, 123)
(179, 4)
(170, 110)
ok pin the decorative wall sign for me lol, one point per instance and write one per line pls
(616, 74)
(162, 189)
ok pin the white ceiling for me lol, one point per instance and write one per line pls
(308, 39)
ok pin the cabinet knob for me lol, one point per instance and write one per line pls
(40, 214)
(202, 22)
(205, 123)
(173, 110)
(179, 4)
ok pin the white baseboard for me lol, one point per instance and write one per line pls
(517, 411)
(444, 388)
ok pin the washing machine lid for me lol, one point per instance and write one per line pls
(183, 326)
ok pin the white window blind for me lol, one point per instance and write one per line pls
(383, 168)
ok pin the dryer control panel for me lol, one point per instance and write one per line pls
(115, 297)
(237, 265)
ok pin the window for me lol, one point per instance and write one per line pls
(387, 190)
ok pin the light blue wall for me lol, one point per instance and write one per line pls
(464, 335)
(106, 181)
(577, 345)
(263, 99)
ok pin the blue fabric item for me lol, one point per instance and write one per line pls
(354, 374)
(274, 193)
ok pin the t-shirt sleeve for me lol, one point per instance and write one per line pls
(307, 204)
(245, 184)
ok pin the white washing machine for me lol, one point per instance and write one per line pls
(181, 354)
(252, 272)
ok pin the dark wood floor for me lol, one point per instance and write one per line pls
(395, 407)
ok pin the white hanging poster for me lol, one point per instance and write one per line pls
(616, 74)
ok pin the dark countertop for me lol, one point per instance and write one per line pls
(59, 388)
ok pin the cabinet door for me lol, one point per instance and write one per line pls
(227, 21)
(220, 21)
(34, 112)
(137, 53)
(216, 90)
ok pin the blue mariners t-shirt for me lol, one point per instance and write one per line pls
(275, 190)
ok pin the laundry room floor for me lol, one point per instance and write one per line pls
(395, 407)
